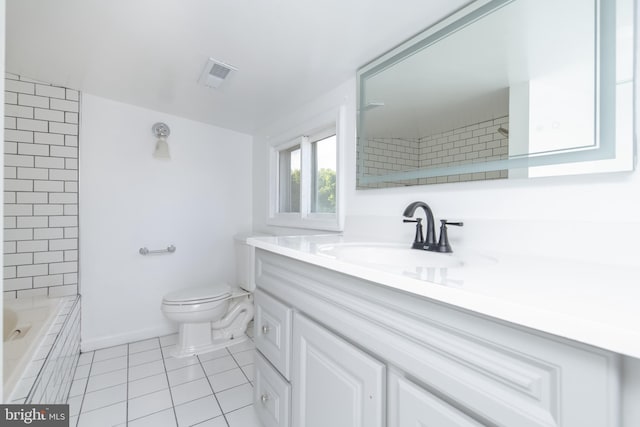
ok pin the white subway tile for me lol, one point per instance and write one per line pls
(9, 272)
(48, 138)
(47, 210)
(61, 291)
(71, 255)
(18, 160)
(32, 125)
(18, 135)
(71, 117)
(18, 259)
(33, 101)
(10, 97)
(71, 209)
(63, 198)
(32, 293)
(64, 152)
(48, 257)
(70, 278)
(63, 175)
(11, 76)
(49, 162)
(33, 270)
(50, 115)
(10, 123)
(32, 246)
(63, 221)
(10, 148)
(10, 172)
(50, 91)
(33, 149)
(71, 163)
(33, 173)
(9, 222)
(18, 210)
(10, 248)
(57, 186)
(50, 280)
(9, 197)
(20, 87)
(63, 267)
(58, 104)
(71, 233)
(71, 140)
(63, 244)
(32, 221)
(48, 233)
(64, 128)
(72, 95)
(17, 284)
(69, 186)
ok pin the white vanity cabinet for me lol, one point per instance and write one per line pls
(367, 355)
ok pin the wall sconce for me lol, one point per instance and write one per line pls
(161, 131)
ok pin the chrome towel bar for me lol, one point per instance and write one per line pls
(145, 251)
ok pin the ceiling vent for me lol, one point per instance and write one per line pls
(215, 72)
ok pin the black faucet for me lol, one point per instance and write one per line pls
(430, 243)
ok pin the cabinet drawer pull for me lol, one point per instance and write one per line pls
(264, 398)
(266, 329)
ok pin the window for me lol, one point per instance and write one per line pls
(305, 181)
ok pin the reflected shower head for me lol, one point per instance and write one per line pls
(504, 132)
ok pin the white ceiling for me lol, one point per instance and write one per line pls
(150, 53)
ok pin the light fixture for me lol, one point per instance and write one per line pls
(161, 131)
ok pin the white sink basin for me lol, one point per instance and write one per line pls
(390, 255)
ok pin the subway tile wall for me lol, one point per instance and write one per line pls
(473, 143)
(41, 189)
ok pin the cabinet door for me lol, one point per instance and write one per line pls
(411, 405)
(333, 383)
(272, 331)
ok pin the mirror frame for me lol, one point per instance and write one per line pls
(604, 147)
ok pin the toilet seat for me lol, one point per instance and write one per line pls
(198, 295)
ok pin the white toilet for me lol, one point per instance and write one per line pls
(214, 316)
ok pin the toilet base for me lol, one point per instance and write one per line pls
(213, 345)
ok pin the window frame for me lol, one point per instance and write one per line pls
(320, 127)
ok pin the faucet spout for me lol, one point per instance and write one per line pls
(431, 231)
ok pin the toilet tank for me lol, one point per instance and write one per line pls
(245, 259)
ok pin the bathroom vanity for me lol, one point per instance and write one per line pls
(342, 343)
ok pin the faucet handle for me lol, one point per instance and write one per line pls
(443, 243)
(418, 240)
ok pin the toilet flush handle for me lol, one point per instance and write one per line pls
(265, 329)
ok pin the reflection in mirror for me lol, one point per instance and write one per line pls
(499, 90)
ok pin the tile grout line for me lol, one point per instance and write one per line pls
(173, 406)
(85, 388)
(215, 396)
(126, 413)
(240, 367)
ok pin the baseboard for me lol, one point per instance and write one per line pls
(128, 337)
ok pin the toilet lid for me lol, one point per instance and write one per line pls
(199, 294)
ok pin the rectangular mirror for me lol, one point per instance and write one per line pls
(501, 89)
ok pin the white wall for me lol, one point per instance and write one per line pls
(197, 201)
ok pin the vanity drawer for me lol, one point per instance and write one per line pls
(271, 395)
(272, 332)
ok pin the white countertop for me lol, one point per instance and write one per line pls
(586, 302)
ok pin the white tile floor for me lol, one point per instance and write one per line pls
(139, 384)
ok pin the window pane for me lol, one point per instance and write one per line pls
(289, 180)
(323, 156)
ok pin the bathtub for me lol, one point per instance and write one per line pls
(31, 334)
